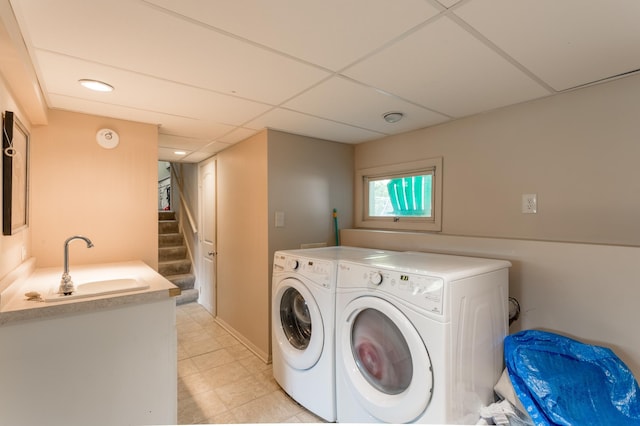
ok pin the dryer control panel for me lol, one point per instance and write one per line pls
(425, 291)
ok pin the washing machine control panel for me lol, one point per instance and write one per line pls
(321, 272)
(422, 290)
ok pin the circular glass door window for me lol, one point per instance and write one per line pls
(295, 318)
(381, 352)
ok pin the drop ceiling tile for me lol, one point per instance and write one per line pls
(181, 143)
(448, 3)
(213, 147)
(566, 43)
(237, 135)
(162, 45)
(343, 100)
(189, 128)
(143, 92)
(170, 124)
(330, 33)
(446, 69)
(87, 106)
(306, 125)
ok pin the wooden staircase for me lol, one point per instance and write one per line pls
(173, 259)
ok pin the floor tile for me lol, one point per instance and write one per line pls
(226, 374)
(274, 407)
(220, 381)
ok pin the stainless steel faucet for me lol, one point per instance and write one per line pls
(66, 285)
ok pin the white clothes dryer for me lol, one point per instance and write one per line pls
(419, 337)
(303, 318)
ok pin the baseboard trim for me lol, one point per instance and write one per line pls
(265, 357)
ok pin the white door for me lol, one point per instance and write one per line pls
(207, 235)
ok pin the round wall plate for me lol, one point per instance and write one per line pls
(107, 138)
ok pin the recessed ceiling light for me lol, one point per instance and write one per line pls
(392, 117)
(96, 85)
(179, 152)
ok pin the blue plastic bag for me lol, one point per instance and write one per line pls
(561, 381)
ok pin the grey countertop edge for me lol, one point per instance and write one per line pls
(45, 310)
(18, 309)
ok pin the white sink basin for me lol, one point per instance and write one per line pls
(98, 288)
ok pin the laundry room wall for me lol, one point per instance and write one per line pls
(302, 177)
(107, 195)
(243, 242)
(575, 261)
(577, 151)
(14, 248)
(308, 178)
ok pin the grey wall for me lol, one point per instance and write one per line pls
(578, 151)
(308, 178)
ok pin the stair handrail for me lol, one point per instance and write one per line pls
(183, 203)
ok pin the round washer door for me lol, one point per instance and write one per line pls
(385, 359)
(297, 324)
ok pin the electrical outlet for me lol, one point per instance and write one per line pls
(529, 203)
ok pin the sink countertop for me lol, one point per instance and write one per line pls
(15, 307)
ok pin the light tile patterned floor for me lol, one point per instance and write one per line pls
(221, 381)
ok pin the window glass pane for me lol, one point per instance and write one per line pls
(406, 196)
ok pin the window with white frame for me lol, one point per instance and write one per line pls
(404, 196)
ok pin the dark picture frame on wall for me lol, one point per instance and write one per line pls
(15, 174)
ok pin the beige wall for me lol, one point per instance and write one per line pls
(12, 247)
(78, 187)
(578, 151)
(242, 246)
(273, 171)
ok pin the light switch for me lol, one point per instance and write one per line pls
(279, 219)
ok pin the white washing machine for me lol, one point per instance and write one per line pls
(419, 337)
(303, 318)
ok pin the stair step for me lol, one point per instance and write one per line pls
(172, 253)
(187, 296)
(170, 240)
(184, 281)
(168, 227)
(166, 215)
(173, 261)
(174, 267)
